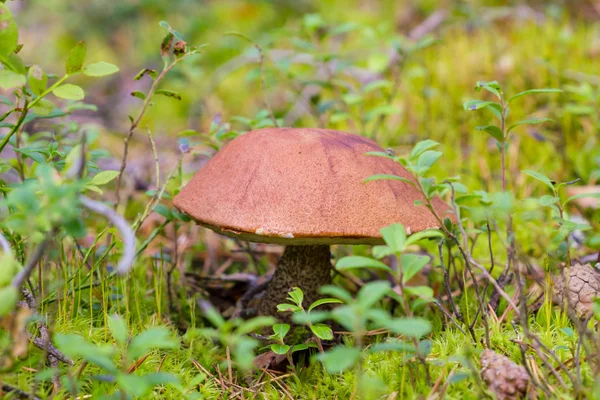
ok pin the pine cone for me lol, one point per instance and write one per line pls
(508, 380)
(583, 283)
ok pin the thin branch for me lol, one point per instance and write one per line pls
(119, 222)
(37, 255)
(18, 392)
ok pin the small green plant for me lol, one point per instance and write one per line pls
(309, 317)
(128, 351)
(233, 334)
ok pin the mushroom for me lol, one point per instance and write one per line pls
(302, 188)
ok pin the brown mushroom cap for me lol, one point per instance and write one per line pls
(303, 186)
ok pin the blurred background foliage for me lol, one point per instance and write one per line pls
(396, 71)
(522, 44)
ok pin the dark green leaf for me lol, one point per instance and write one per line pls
(280, 330)
(296, 296)
(145, 71)
(540, 177)
(322, 331)
(169, 93)
(280, 348)
(493, 130)
(138, 94)
(321, 302)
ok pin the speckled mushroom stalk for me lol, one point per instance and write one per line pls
(307, 267)
(304, 189)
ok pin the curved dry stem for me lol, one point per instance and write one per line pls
(126, 261)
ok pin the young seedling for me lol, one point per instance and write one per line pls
(307, 317)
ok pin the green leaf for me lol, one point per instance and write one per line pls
(305, 318)
(531, 121)
(244, 352)
(424, 292)
(157, 337)
(38, 80)
(69, 91)
(379, 177)
(288, 307)
(255, 323)
(169, 93)
(425, 347)
(280, 348)
(427, 234)
(540, 177)
(10, 80)
(76, 58)
(9, 267)
(339, 359)
(336, 291)
(353, 262)
(411, 327)
(382, 251)
(491, 86)
(380, 154)
(426, 161)
(76, 346)
(8, 298)
(473, 105)
(138, 94)
(145, 71)
(9, 33)
(118, 328)
(422, 147)
(493, 130)
(101, 68)
(321, 302)
(395, 237)
(297, 296)
(43, 107)
(104, 177)
(582, 195)
(322, 331)
(534, 91)
(372, 292)
(280, 330)
(547, 200)
(412, 264)
(302, 346)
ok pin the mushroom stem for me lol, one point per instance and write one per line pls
(307, 267)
